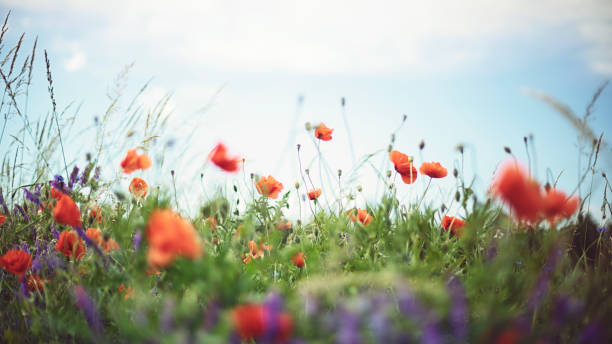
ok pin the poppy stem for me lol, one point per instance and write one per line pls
(424, 193)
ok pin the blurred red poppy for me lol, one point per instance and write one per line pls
(519, 191)
(138, 187)
(298, 260)
(453, 224)
(16, 261)
(134, 161)
(558, 206)
(220, 158)
(70, 245)
(322, 132)
(314, 194)
(433, 170)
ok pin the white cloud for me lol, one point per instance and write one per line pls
(334, 37)
(76, 61)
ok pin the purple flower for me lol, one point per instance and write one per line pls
(348, 329)
(19, 209)
(58, 184)
(459, 311)
(73, 177)
(54, 231)
(539, 291)
(166, 321)
(85, 174)
(136, 240)
(23, 287)
(31, 197)
(379, 320)
(86, 304)
(211, 317)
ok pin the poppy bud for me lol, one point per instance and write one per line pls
(392, 137)
(411, 158)
(359, 188)
(299, 146)
(421, 144)
(525, 139)
(235, 188)
(172, 172)
(457, 196)
(474, 199)
(547, 187)
(603, 174)
(460, 148)
(351, 197)
(404, 118)
(308, 126)
(507, 150)
(390, 186)
(297, 185)
(390, 148)
(443, 207)
(388, 174)
(342, 101)
(339, 173)
(307, 171)
(252, 175)
(455, 172)
(201, 175)
(88, 157)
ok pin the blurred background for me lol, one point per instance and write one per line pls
(251, 74)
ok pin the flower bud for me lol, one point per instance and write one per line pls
(308, 126)
(359, 188)
(422, 144)
(507, 150)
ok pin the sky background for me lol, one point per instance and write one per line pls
(251, 74)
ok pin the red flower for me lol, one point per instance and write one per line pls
(220, 158)
(70, 245)
(16, 261)
(520, 192)
(268, 186)
(253, 321)
(453, 224)
(250, 321)
(298, 260)
(323, 133)
(314, 194)
(66, 212)
(138, 187)
(96, 213)
(433, 170)
(56, 194)
(2, 219)
(558, 206)
(34, 283)
(105, 244)
(283, 225)
(404, 166)
(171, 236)
(362, 216)
(133, 161)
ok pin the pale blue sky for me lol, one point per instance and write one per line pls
(458, 71)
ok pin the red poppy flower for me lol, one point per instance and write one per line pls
(98, 238)
(16, 261)
(404, 166)
(314, 194)
(362, 215)
(134, 161)
(70, 245)
(453, 224)
(433, 170)
(66, 212)
(128, 292)
(171, 236)
(250, 321)
(34, 283)
(323, 133)
(2, 219)
(138, 187)
(268, 186)
(56, 194)
(253, 321)
(558, 206)
(220, 158)
(298, 260)
(96, 213)
(521, 193)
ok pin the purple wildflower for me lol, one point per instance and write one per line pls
(31, 197)
(58, 184)
(379, 320)
(23, 287)
(211, 317)
(54, 231)
(87, 305)
(85, 174)
(539, 291)
(73, 177)
(19, 209)
(136, 240)
(97, 173)
(166, 321)
(348, 330)
(458, 313)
